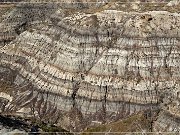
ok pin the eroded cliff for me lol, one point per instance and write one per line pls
(67, 64)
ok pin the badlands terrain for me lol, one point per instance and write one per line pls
(91, 66)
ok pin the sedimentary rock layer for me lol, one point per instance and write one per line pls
(93, 63)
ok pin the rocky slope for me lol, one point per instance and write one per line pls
(75, 64)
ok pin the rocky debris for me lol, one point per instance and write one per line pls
(71, 66)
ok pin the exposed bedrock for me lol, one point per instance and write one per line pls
(166, 122)
(28, 13)
(79, 68)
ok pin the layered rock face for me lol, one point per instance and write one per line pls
(74, 68)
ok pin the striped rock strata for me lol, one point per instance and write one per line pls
(106, 65)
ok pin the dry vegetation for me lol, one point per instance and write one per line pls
(134, 123)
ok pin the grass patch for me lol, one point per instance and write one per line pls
(134, 123)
